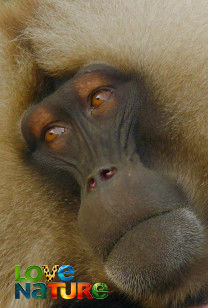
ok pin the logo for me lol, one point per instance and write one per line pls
(66, 289)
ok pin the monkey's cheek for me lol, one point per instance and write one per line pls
(157, 254)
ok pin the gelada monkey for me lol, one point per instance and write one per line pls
(104, 147)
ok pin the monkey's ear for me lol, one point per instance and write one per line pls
(33, 123)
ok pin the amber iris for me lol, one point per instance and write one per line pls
(54, 132)
(100, 97)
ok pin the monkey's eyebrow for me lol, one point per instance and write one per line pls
(39, 118)
(59, 81)
(88, 82)
(101, 69)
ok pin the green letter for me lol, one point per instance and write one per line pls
(100, 290)
(39, 273)
(17, 274)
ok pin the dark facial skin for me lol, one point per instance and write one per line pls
(137, 221)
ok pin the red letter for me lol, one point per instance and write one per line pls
(86, 291)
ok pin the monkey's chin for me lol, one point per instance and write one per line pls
(157, 254)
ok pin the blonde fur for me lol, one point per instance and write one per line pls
(167, 42)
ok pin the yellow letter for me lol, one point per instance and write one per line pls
(73, 292)
(49, 276)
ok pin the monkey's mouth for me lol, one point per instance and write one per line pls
(157, 254)
(140, 226)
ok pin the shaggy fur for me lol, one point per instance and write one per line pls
(167, 42)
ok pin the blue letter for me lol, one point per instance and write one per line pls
(19, 288)
(41, 291)
(69, 271)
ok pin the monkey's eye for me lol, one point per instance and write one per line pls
(100, 96)
(53, 133)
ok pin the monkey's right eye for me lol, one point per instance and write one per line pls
(53, 133)
(100, 96)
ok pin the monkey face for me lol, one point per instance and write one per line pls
(137, 221)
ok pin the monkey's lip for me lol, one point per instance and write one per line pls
(141, 222)
(108, 251)
(141, 252)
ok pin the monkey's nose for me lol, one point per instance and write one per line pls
(92, 184)
(103, 175)
(107, 174)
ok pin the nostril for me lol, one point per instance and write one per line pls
(91, 184)
(106, 174)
